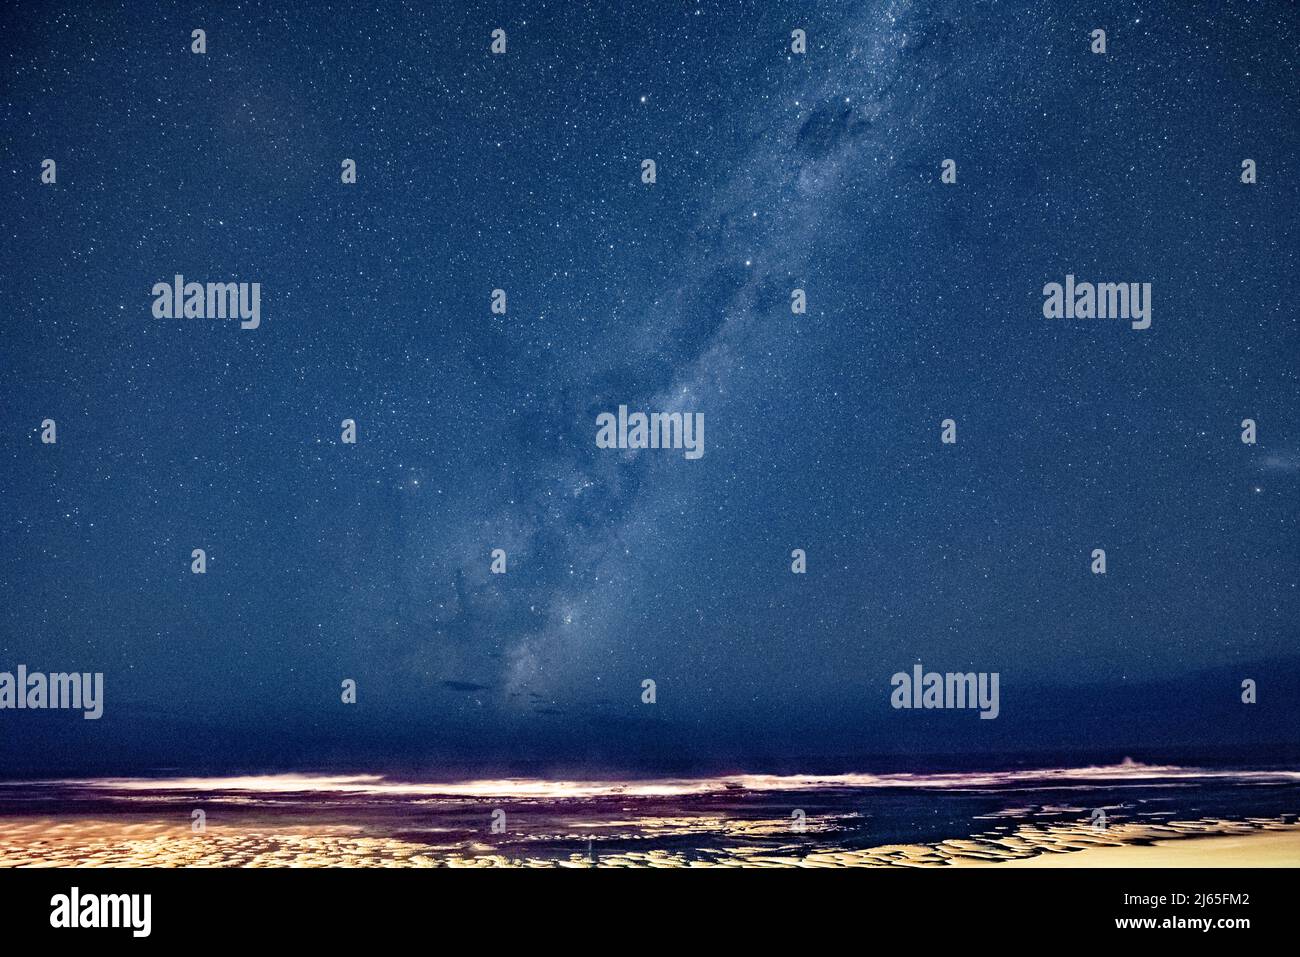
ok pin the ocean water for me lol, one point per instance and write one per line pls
(905, 819)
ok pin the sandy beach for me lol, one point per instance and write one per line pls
(1126, 815)
(104, 843)
(1271, 849)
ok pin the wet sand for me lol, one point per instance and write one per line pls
(43, 842)
(1124, 815)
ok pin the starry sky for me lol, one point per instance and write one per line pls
(476, 431)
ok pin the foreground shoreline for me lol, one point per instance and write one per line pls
(50, 843)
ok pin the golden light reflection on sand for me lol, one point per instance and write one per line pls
(90, 842)
(1023, 817)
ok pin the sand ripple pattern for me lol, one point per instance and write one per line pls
(43, 842)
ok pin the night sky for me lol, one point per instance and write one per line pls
(476, 431)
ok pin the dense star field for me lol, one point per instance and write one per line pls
(476, 429)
